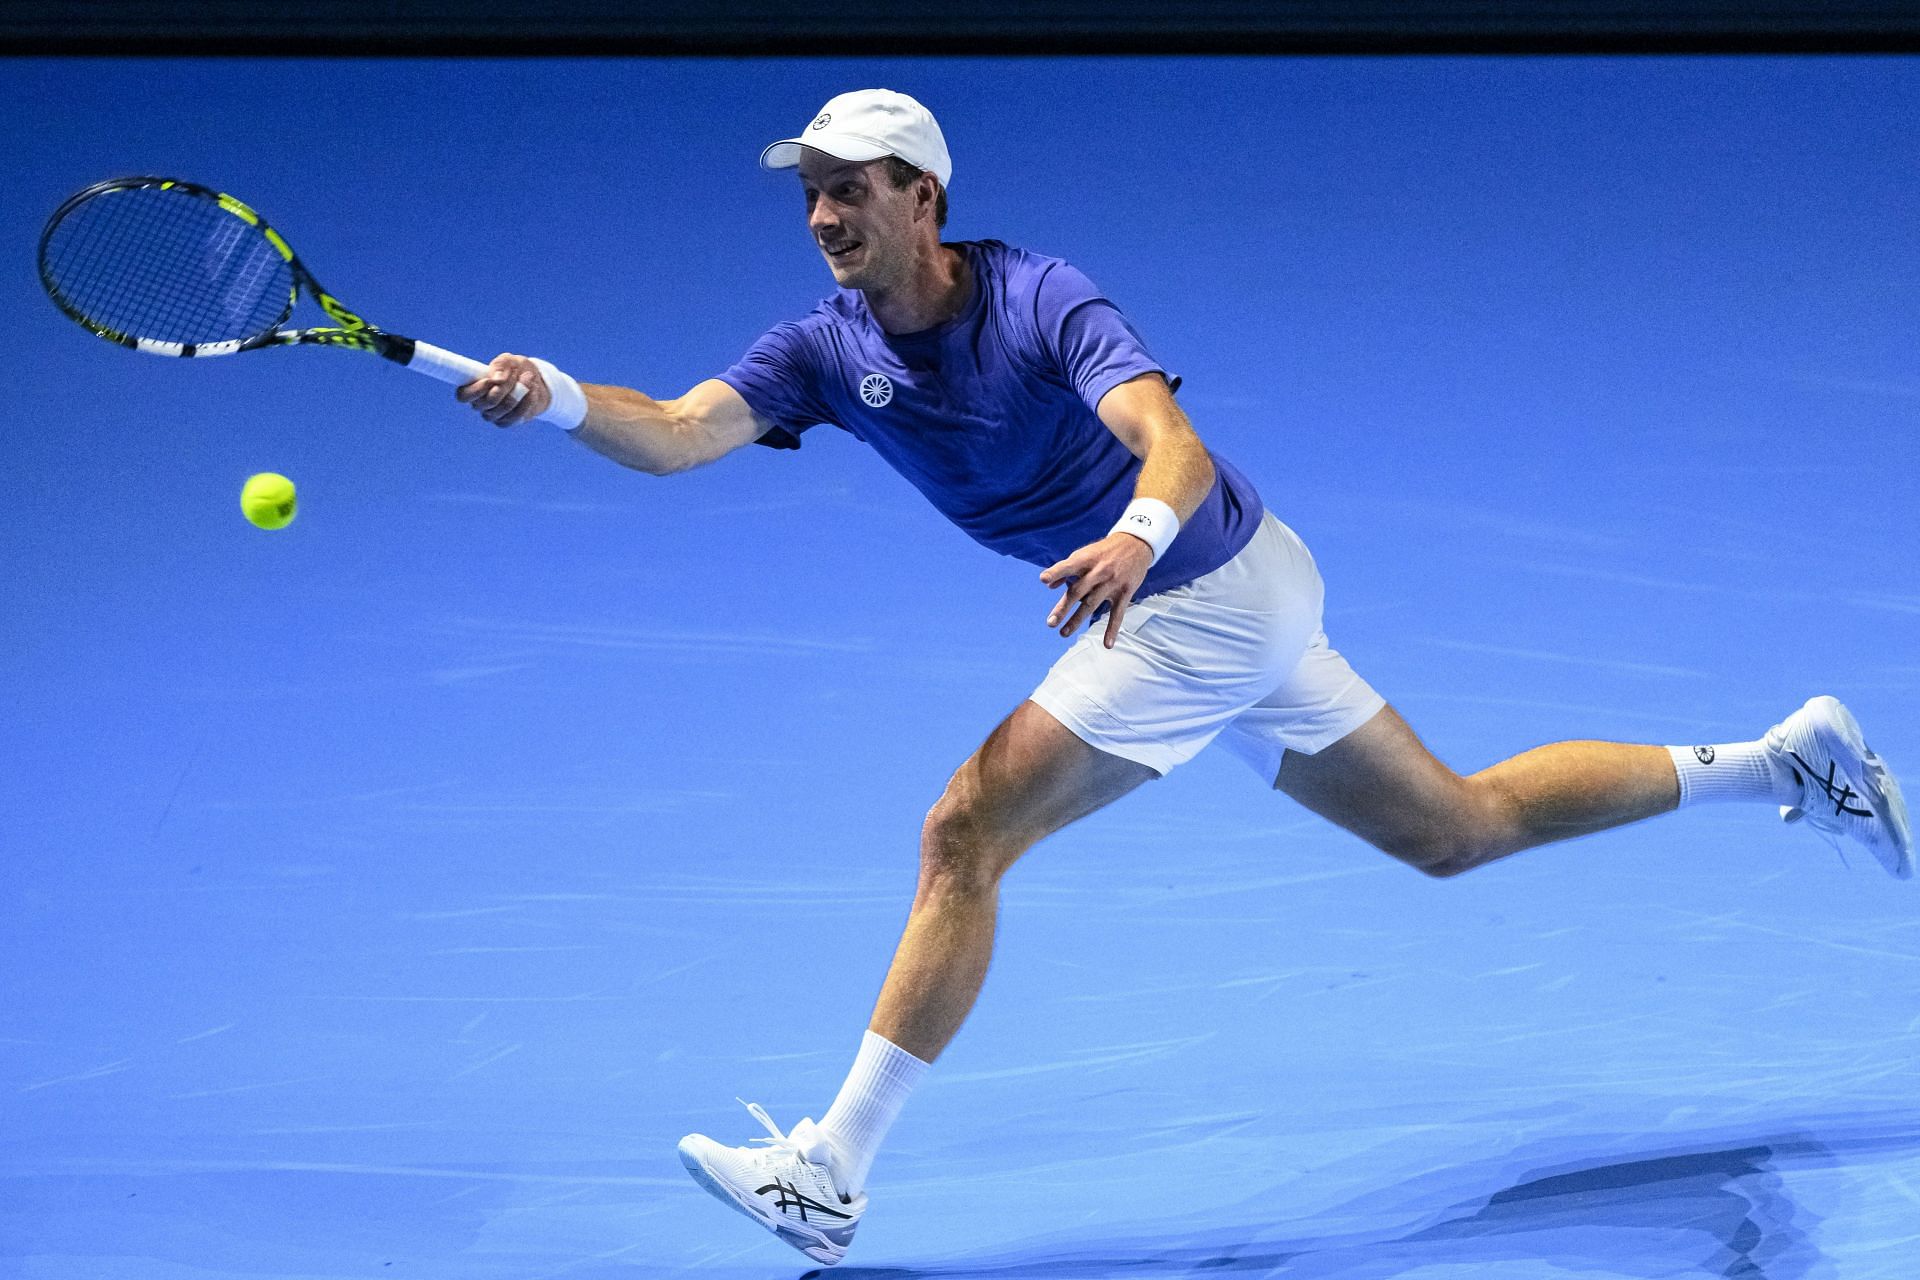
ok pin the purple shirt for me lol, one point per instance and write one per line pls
(991, 415)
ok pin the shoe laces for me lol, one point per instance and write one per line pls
(810, 1153)
(1825, 828)
(776, 1139)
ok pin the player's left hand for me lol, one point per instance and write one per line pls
(1105, 572)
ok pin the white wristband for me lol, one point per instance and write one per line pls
(568, 408)
(1150, 520)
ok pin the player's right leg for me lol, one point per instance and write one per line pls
(1030, 778)
(1186, 662)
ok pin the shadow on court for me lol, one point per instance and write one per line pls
(1703, 1209)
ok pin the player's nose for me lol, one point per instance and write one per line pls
(821, 218)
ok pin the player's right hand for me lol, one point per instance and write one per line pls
(492, 395)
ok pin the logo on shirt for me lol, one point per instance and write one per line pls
(876, 390)
(825, 118)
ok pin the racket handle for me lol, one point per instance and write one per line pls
(451, 367)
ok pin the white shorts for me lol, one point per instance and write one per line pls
(1237, 653)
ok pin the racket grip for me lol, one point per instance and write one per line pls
(451, 367)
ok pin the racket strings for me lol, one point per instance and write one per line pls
(167, 265)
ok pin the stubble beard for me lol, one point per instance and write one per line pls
(870, 276)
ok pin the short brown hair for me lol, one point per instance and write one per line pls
(901, 175)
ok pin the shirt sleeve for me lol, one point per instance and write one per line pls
(1086, 336)
(776, 378)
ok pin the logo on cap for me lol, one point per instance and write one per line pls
(876, 390)
(826, 118)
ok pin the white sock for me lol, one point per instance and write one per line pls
(883, 1075)
(1735, 771)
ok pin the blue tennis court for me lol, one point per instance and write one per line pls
(387, 895)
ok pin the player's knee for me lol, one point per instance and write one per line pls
(962, 847)
(1440, 854)
(1447, 867)
(1469, 830)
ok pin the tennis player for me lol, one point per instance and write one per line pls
(1006, 388)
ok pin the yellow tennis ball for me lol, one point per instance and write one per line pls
(268, 501)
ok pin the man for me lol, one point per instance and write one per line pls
(1026, 408)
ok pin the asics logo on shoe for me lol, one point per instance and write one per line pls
(790, 1198)
(1839, 795)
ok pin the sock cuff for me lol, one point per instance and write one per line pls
(1733, 771)
(882, 1054)
(883, 1076)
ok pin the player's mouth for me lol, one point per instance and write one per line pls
(843, 252)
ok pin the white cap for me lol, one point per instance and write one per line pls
(865, 125)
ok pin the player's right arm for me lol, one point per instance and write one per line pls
(659, 437)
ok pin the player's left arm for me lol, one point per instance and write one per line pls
(1175, 468)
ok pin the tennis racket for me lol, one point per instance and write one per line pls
(176, 269)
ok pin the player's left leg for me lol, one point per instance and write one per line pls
(1381, 783)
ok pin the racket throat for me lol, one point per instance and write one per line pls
(337, 311)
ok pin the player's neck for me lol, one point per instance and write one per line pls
(936, 291)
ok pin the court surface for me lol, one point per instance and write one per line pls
(386, 896)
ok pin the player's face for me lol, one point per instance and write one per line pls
(860, 223)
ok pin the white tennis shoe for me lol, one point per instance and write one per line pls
(1845, 789)
(785, 1185)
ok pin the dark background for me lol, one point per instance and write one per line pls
(993, 26)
